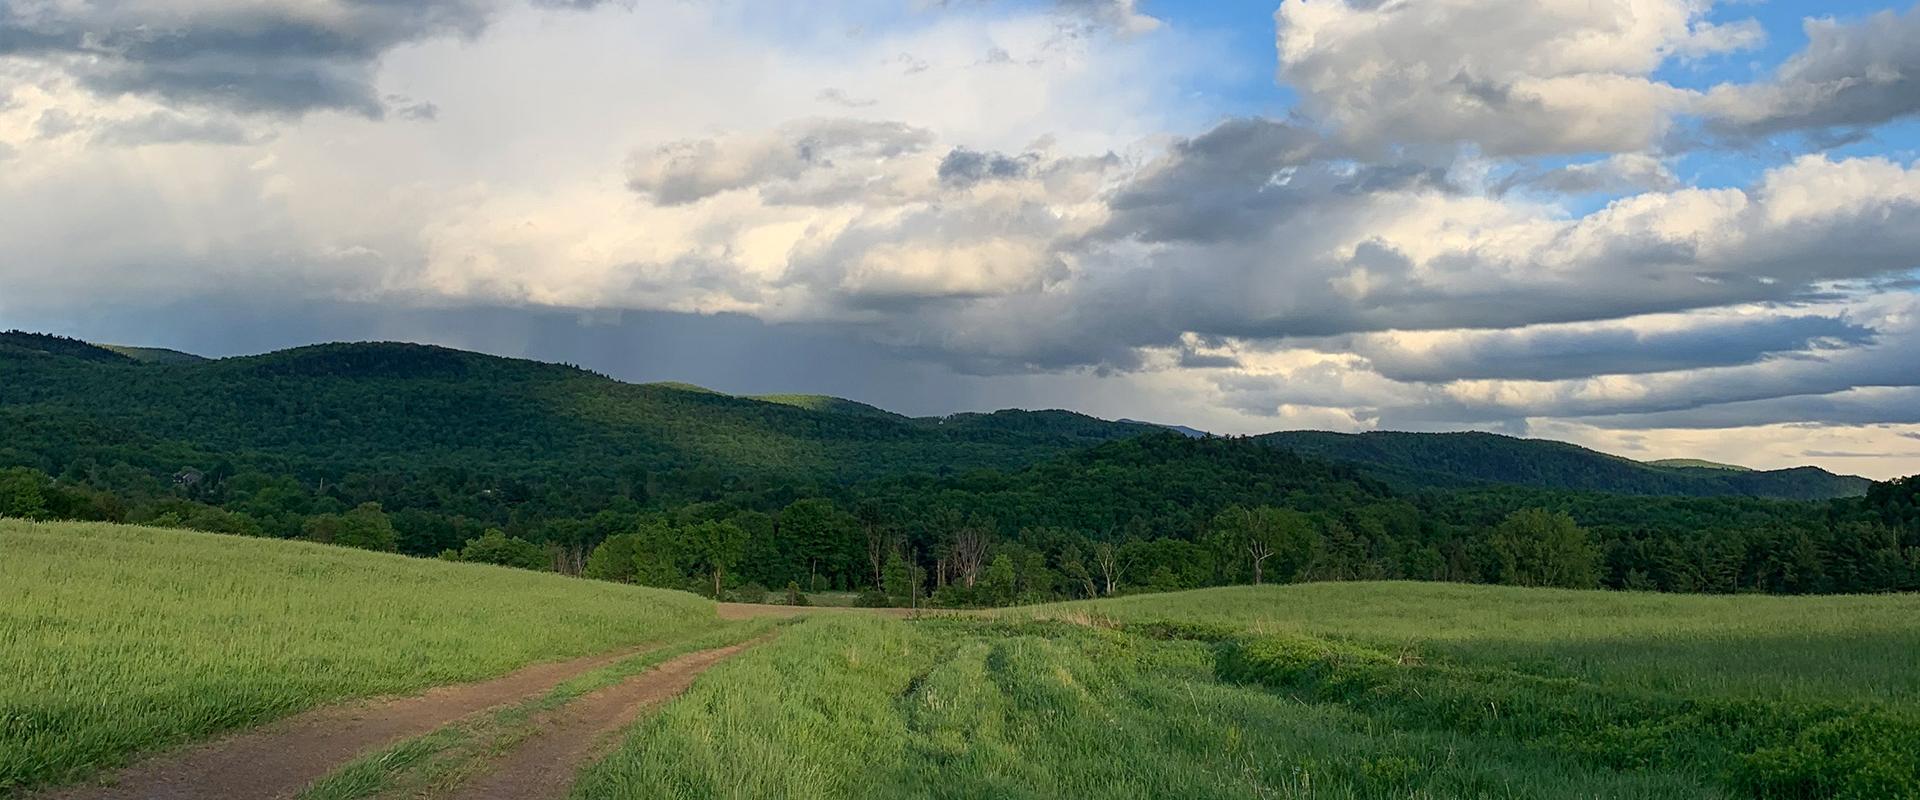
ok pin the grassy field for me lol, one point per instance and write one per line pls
(1380, 690)
(973, 708)
(1839, 649)
(117, 640)
(122, 640)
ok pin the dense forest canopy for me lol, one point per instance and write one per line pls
(435, 452)
(1464, 459)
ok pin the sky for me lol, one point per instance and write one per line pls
(1659, 228)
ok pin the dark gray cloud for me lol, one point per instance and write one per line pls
(1617, 175)
(963, 168)
(1252, 230)
(1894, 406)
(1562, 353)
(1857, 454)
(1226, 184)
(797, 164)
(1192, 360)
(1850, 75)
(281, 57)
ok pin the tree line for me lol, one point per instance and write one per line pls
(1148, 514)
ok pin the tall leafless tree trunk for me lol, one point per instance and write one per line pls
(1259, 550)
(876, 549)
(970, 553)
(568, 559)
(1108, 557)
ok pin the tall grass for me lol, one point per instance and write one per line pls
(1846, 649)
(118, 640)
(870, 708)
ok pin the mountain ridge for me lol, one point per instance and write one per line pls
(1449, 460)
(264, 401)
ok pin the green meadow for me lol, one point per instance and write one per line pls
(967, 709)
(1863, 648)
(118, 640)
(1363, 690)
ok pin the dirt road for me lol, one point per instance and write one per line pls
(755, 610)
(544, 765)
(281, 758)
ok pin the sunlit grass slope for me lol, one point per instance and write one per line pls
(1362, 690)
(849, 707)
(116, 640)
(1841, 648)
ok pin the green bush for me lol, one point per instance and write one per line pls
(749, 592)
(495, 547)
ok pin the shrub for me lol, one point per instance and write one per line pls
(749, 592)
(495, 547)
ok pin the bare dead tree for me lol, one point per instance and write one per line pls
(877, 542)
(1111, 565)
(568, 559)
(1259, 550)
(970, 552)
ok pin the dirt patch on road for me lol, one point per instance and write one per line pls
(545, 764)
(281, 758)
(756, 610)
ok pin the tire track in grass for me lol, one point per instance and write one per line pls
(280, 758)
(545, 764)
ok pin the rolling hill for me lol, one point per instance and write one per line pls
(153, 355)
(830, 405)
(328, 410)
(231, 632)
(1449, 460)
(1696, 462)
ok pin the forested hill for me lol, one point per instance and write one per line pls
(1451, 460)
(330, 410)
(326, 412)
(426, 450)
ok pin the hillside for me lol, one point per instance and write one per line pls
(329, 410)
(24, 345)
(1696, 463)
(829, 405)
(123, 639)
(1183, 430)
(153, 355)
(1451, 460)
